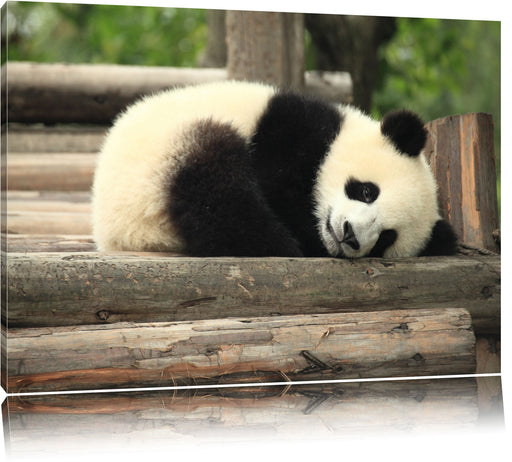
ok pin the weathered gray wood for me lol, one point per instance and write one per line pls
(26, 243)
(46, 212)
(44, 198)
(327, 410)
(39, 203)
(67, 138)
(461, 152)
(34, 222)
(300, 347)
(51, 171)
(266, 47)
(96, 93)
(69, 289)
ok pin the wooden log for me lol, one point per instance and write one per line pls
(26, 243)
(42, 198)
(39, 203)
(320, 410)
(47, 223)
(300, 347)
(460, 150)
(60, 138)
(50, 171)
(47, 216)
(70, 289)
(96, 93)
(266, 47)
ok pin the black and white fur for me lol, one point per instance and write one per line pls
(242, 169)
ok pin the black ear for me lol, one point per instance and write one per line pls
(406, 130)
(443, 240)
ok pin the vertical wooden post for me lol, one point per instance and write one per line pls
(266, 47)
(460, 150)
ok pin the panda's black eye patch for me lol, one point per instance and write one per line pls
(364, 192)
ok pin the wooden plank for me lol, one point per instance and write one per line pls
(96, 93)
(300, 347)
(26, 243)
(49, 201)
(460, 150)
(44, 138)
(321, 410)
(86, 288)
(72, 197)
(35, 222)
(51, 171)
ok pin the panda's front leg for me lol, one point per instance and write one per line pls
(216, 203)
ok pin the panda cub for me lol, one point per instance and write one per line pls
(244, 169)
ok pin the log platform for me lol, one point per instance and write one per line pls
(76, 319)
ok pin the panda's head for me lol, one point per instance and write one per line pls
(375, 193)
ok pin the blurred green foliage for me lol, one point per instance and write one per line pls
(441, 67)
(435, 67)
(76, 33)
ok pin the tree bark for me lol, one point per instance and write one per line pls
(215, 54)
(95, 94)
(460, 150)
(70, 289)
(266, 47)
(293, 348)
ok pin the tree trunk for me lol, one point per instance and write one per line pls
(215, 54)
(266, 47)
(350, 44)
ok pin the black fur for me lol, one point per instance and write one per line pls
(364, 192)
(290, 141)
(443, 240)
(233, 197)
(406, 130)
(216, 203)
(386, 239)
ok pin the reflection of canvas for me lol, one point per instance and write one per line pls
(162, 419)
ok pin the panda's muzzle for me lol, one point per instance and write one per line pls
(349, 237)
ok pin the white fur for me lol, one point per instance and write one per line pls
(128, 198)
(407, 200)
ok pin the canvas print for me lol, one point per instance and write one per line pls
(208, 198)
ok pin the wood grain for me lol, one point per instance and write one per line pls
(96, 93)
(59, 289)
(265, 47)
(300, 347)
(51, 171)
(460, 150)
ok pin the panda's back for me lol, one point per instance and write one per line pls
(143, 148)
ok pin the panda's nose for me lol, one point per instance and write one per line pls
(349, 236)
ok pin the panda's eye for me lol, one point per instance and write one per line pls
(364, 192)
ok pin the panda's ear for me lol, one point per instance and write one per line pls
(406, 130)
